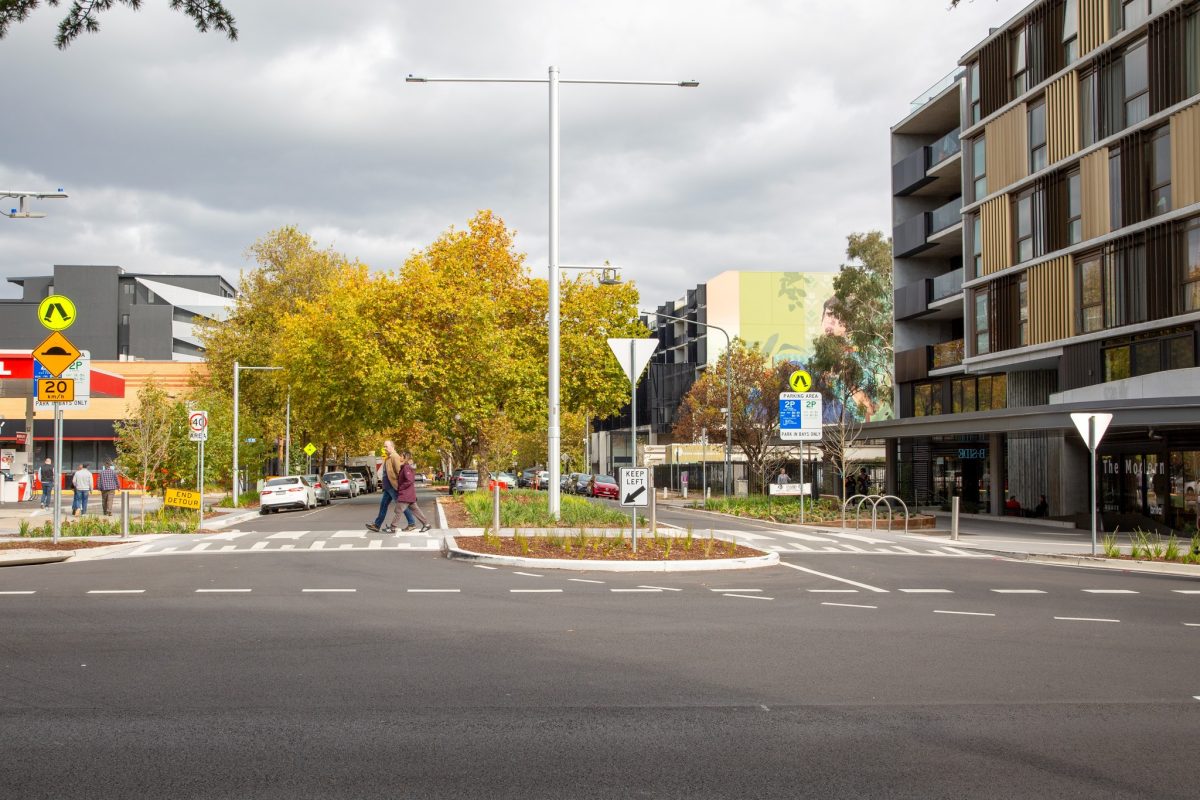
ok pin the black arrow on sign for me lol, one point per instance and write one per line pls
(629, 498)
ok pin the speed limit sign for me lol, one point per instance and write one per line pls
(198, 426)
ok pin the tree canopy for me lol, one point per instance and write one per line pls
(81, 18)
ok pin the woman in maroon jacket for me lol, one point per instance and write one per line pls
(406, 495)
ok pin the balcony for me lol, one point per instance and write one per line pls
(948, 354)
(908, 174)
(945, 147)
(911, 236)
(912, 300)
(947, 285)
(945, 216)
(913, 365)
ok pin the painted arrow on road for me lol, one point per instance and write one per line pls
(629, 498)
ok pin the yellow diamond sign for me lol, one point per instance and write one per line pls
(309, 449)
(56, 353)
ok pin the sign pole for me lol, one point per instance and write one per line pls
(1092, 448)
(802, 485)
(57, 471)
(633, 427)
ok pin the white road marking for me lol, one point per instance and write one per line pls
(852, 549)
(858, 537)
(801, 548)
(222, 591)
(529, 575)
(747, 596)
(287, 547)
(287, 535)
(375, 544)
(576, 580)
(834, 577)
(1187, 624)
(904, 549)
(355, 534)
(234, 546)
(847, 605)
(1086, 619)
(735, 590)
(927, 591)
(1110, 591)
(139, 550)
(534, 591)
(226, 535)
(807, 537)
(116, 591)
(483, 566)
(1018, 591)
(1186, 591)
(833, 591)
(201, 546)
(259, 546)
(319, 544)
(966, 613)
(329, 590)
(14, 592)
(347, 546)
(434, 591)
(661, 588)
(636, 590)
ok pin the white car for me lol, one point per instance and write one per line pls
(340, 484)
(289, 492)
(360, 482)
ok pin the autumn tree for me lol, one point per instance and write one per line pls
(143, 441)
(82, 17)
(755, 410)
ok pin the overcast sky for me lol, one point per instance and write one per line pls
(180, 149)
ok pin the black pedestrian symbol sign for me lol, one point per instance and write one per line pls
(800, 381)
(56, 312)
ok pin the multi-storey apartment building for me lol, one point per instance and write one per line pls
(1069, 280)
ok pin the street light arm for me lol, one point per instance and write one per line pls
(681, 84)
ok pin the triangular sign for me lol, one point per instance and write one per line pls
(1081, 425)
(641, 351)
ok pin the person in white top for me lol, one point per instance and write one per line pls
(81, 482)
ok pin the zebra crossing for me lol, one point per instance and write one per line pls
(826, 542)
(235, 541)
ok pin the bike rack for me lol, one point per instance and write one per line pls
(874, 500)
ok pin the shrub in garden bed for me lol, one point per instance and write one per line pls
(525, 508)
(166, 520)
(778, 509)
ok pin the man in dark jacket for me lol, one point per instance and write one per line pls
(46, 476)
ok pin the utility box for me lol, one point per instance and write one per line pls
(741, 487)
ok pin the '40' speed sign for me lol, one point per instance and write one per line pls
(198, 426)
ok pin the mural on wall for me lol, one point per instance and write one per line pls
(783, 311)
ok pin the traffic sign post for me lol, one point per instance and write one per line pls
(56, 312)
(800, 416)
(1091, 427)
(800, 381)
(633, 355)
(198, 433)
(634, 491)
(56, 357)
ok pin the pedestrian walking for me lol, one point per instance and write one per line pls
(406, 497)
(82, 483)
(391, 477)
(46, 476)
(864, 482)
(783, 477)
(107, 483)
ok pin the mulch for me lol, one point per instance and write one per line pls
(648, 549)
(36, 544)
(456, 513)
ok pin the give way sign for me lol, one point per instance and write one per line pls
(198, 426)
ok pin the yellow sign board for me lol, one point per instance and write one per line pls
(56, 312)
(56, 353)
(56, 390)
(800, 381)
(182, 498)
(309, 449)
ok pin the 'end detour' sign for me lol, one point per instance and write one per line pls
(182, 498)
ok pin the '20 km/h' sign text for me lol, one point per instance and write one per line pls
(56, 390)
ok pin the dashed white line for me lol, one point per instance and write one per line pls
(927, 591)
(434, 591)
(1018, 591)
(657, 591)
(116, 591)
(583, 580)
(529, 574)
(966, 613)
(483, 566)
(747, 596)
(833, 591)
(329, 590)
(317, 545)
(222, 591)
(722, 591)
(1085, 619)
(201, 546)
(1186, 624)
(661, 588)
(23, 592)
(847, 605)
(1110, 591)
(535, 591)
(1186, 591)
(833, 577)
(259, 546)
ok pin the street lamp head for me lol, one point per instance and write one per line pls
(414, 79)
(610, 276)
(689, 84)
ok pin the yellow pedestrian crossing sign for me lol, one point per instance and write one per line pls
(56, 312)
(309, 449)
(800, 381)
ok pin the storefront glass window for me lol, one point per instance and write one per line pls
(1116, 363)
(1184, 511)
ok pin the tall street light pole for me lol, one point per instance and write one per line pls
(553, 442)
(237, 368)
(728, 385)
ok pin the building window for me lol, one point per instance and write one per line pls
(1137, 83)
(982, 343)
(927, 399)
(1023, 305)
(1074, 209)
(1148, 353)
(1160, 171)
(1037, 136)
(1070, 31)
(1133, 13)
(992, 392)
(1088, 110)
(127, 288)
(1114, 188)
(1191, 274)
(1091, 293)
(976, 245)
(979, 167)
(1018, 62)
(973, 86)
(1024, 226)
(124, 320)
(149, 296)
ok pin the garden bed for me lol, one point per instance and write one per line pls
(60, 545)
(587, 547)
(527, 508)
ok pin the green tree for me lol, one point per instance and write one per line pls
(143, 441)
(207, 14)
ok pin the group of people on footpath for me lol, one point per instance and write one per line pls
(399, 486)
(83, 483)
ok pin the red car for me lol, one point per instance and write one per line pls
(604, 486)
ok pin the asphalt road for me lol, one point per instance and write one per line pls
(290, 675)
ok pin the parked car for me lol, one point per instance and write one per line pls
(506, 479)
(525, 479)
(570, 480)
(543, 479)
(291, 491)
(464, 480)
(604, 486)
(320, 489)
(580, 486)
(340, 484)
(360, 482)
(366, 479)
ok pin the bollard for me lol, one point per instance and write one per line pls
(125, 514)
(954, 519)
(496, 508)
(653, 513)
